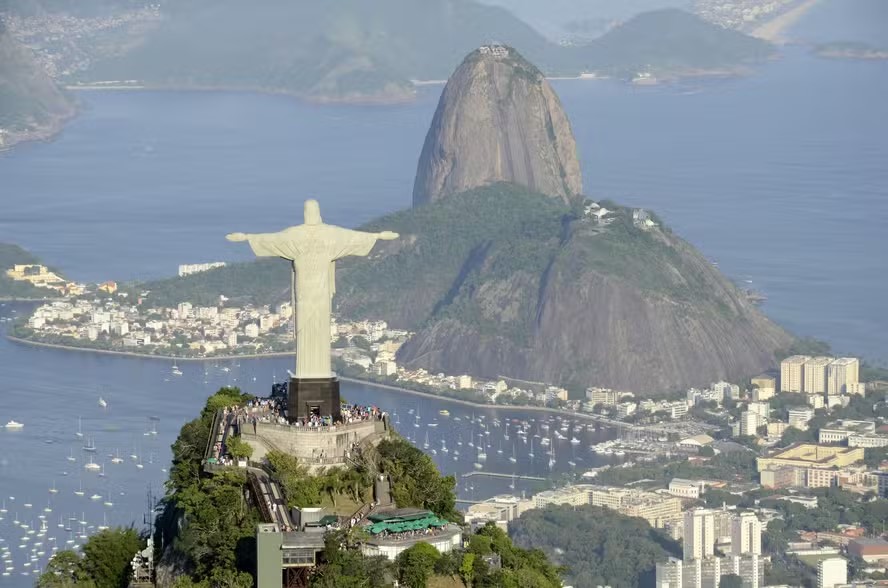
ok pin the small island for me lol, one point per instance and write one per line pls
(850, 50)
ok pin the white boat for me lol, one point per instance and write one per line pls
(92, 466)
(79, 432)
(53, 489)
(176, 370)
(95, 497)
(117, 458)
(90, 445)
(574, 441)
(102, 402)
(14, 425)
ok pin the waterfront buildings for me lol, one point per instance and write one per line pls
(604, 396)
(187, 269)
(820, 375)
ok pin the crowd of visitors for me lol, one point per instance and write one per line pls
(427, 532)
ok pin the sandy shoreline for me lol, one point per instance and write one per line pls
(774, 29)
(148, 355)
(342, 378)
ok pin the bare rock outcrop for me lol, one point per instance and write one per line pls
(498, 120)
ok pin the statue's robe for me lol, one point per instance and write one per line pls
(313, 250)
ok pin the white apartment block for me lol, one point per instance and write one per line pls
(699, 533)
(815, 374)
(792, 373)
(832, 572)
(746, 535)
(843, 376)
(187, 269)
(749, 423)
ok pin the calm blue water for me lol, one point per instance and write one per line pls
(56, 392)
(780, 177)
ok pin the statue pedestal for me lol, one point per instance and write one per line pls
(313, 396)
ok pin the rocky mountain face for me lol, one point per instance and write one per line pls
(538, 291)
(31, 105)
(498, 120)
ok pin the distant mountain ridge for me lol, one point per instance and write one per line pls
(356, 50)
(498, 120)
(31, 104)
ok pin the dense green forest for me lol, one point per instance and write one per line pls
(597, 546)
(209, 525)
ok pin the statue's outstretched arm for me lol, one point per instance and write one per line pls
(237, 237)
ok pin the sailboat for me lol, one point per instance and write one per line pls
(176, 370)
(71, 456)
(482, 455)
(117, 458)
(104, 525)
(79, 432)
(499, 450)
(90, 445)
(79, 492)
(102, 402)
(513, 459)
(531, 449)
(426, 444)
(53, 489)
(92, 466)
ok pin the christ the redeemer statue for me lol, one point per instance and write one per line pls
(313, 248)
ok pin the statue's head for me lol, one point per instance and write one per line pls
(312, 212)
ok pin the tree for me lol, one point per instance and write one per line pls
(707, 451)
(416, 481)
(107, 556)
(731, 581)
(416, 564)
(467, 568)
(238, 448)
(63, 571)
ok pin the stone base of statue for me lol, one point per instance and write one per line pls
(308, 397)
